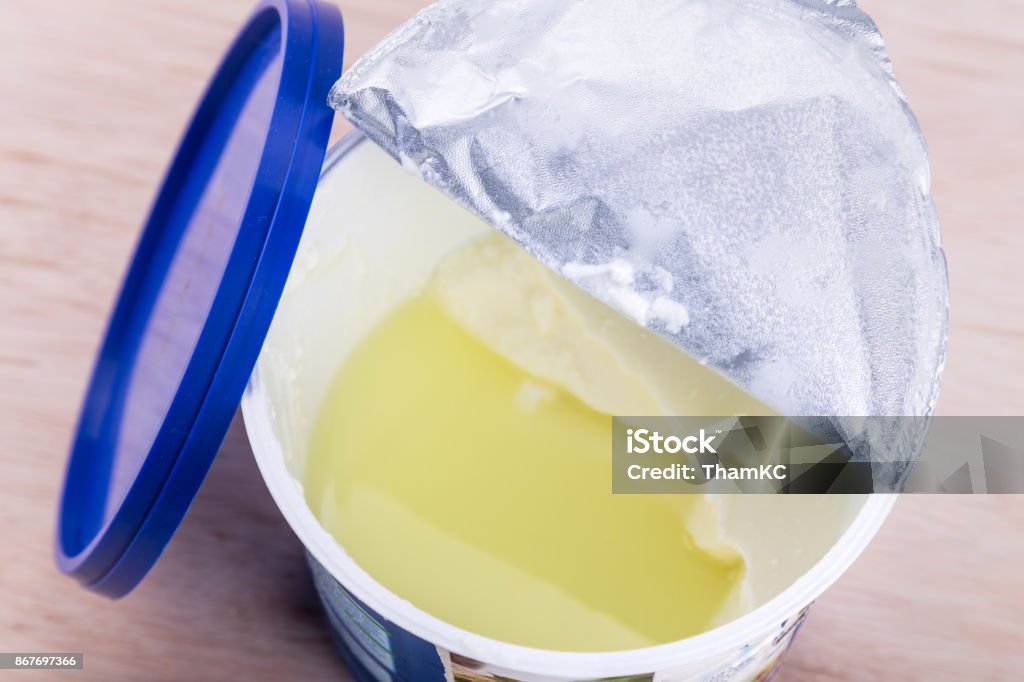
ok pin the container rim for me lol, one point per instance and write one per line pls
(288, 495)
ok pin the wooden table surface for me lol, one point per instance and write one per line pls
(93, 96)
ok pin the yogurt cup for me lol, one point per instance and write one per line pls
(380, 635)
(215, 266)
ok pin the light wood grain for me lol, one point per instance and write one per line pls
(93, 96)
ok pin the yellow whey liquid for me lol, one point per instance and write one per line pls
(462, 458)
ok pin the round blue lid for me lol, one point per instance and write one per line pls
(199, 295)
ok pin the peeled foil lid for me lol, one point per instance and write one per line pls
(742, 177)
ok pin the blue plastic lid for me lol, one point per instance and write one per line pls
(199, 295)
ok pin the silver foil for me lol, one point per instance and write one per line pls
(743, 177)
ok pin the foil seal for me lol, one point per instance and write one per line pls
(743, 177)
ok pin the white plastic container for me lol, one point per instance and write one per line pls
(333, 296)
(200, 293)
